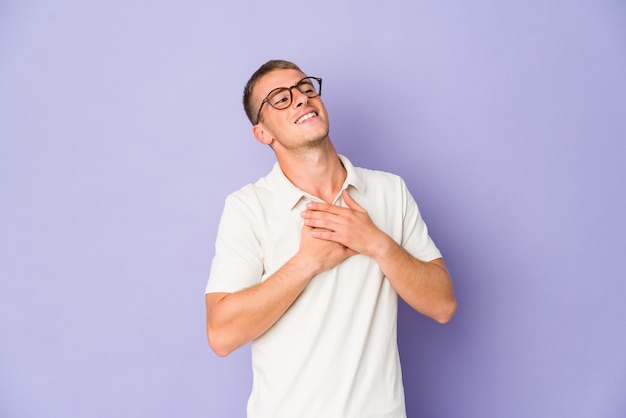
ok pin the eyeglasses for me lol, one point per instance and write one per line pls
(280, 98)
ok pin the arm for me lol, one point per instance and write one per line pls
(425, 286)
(234, 319)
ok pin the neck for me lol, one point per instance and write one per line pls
(318, 171)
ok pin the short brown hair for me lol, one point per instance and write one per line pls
(266, 68)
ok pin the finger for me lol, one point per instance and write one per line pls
(328, 212)
(316, 214)
(315, 220)
(324, 207)
(351, 202)
(322, 233)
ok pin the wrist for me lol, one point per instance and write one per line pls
(304, 267)
(383, 247)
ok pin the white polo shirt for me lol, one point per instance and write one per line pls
(334, 353)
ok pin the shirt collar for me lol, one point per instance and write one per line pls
(289, 195)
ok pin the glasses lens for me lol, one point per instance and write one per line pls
(309, 86)
(280, 98)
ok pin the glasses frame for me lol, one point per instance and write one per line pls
(295, 86)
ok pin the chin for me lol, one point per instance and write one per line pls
(317, 143)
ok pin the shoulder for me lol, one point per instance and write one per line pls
(369, 173)
(251, 193)
(379, 179)
(365, 178)
(247, 199)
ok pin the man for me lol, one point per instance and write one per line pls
(309, 263)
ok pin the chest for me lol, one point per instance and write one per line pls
(280, 228)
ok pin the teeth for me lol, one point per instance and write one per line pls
(306, 117)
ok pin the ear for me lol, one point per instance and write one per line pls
(262, 135)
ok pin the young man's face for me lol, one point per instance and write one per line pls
(302, 125)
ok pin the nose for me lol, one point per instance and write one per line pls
(299, 98)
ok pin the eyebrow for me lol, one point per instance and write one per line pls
(285, 87)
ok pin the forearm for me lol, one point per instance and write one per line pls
(425, 286)
(234, 319)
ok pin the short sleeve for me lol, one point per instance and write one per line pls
(237, 263)
(415, 238)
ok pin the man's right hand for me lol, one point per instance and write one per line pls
(234, 319)
(319, 254)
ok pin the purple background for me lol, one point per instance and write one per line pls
(122, 131)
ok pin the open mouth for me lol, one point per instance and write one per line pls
(306, 117)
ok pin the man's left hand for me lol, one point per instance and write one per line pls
(351, 226)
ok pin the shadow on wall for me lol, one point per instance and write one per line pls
(354, 130)
(371, 140)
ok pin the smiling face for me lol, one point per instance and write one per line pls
(301, 126)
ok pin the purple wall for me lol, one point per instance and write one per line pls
(121, 132)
